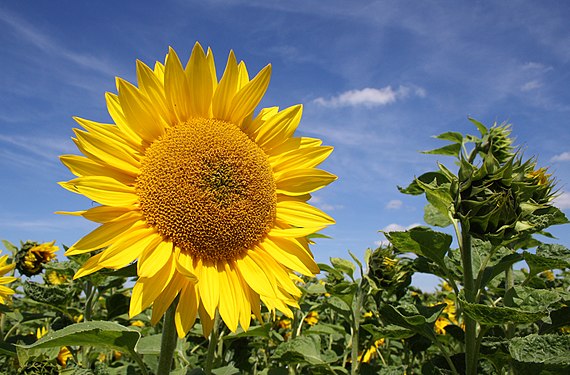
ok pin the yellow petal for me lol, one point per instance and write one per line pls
(186, 310)
(294, 232)
(302, 181)
(255, 276)
(277, 270)
(206, 321)
(228, 305)
(222, 99)
(129, 247)
(104, 190)
(103, 214)
(116, 112)
(176, 87)
(82, 166)
(153, 88)
(92, 265)
(165, 298)
(154, 258)
(200, 82)
(301, 214)
(107, 151)
(209, 286)
(139, 112)
(147, 290)
(279, 128)
(247, 98)
(306, 157)
(105, 234)
(185, 264)
(291, 254)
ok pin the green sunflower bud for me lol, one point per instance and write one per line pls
(498, 142)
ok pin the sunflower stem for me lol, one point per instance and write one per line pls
(212, 345)
(168, 340)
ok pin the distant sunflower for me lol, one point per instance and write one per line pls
(32, 256)
(5, 292)
(210, 199)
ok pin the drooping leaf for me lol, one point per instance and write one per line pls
(451, 136)
(432, 216)
(449, 150)
(489, 315)
(422, 241)
(94, 333)
(547, 349)
(344, 265)
(301, 349)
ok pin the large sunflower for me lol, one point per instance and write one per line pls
(209, 199)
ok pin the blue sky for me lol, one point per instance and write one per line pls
(377, 79)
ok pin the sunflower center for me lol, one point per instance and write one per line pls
(208, 188)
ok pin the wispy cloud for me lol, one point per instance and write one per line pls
(46, 148)
(394, 228)
(562, 201)
(370, 97)
(531, 85)
(565, 156)
(394, 204)
(41, 40)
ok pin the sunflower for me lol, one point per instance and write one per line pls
(32, 256)
(5, 292)
(210, 199)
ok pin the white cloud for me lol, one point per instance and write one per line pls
(394, 204)
(562, 201)
(531, 85)
(399, 228)
(370, 97)
(565, 156)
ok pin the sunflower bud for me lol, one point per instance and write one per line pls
(498, 142)
(388, 271)
(32, 256)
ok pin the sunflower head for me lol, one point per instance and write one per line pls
(5, 267)
(32, 256)
(206, 193)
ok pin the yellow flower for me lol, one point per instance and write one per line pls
(312, 318)
(210, 198)
(440, 325)
(371, 352)
(137, 323)
(284, 323)
(64, 353)
(5, 292)
(55, 278)
(32, 257)
(540, 176)
(549, 275)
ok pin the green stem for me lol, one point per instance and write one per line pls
(139, 362)
(168, 340)
(471, 355)
(90, 291)
(212, 346)
(508, 301)
(356, 313)
(446, 356)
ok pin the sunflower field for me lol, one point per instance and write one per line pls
(202, 262)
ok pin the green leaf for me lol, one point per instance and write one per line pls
(451, 136)
(482, 128)
(547, 349)
(95, 333)
(9, 246)
(389, 331)
(339, 306)
(7, 349)
(149, 345)
(450, 150)
(226, 370)
(422, 241)
(344, 265)
(301, 349)
(419, 319)
(117, 304)
(432, 216)
(430, 177)
(538, 263)
(489, 315)
(325, 329)
(489, 273)
(259, 331)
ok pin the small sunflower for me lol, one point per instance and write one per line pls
(210, 199)
(32, 256)
(5, 292)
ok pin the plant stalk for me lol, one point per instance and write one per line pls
(213, 343)
(168, 340)
(471, 355)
